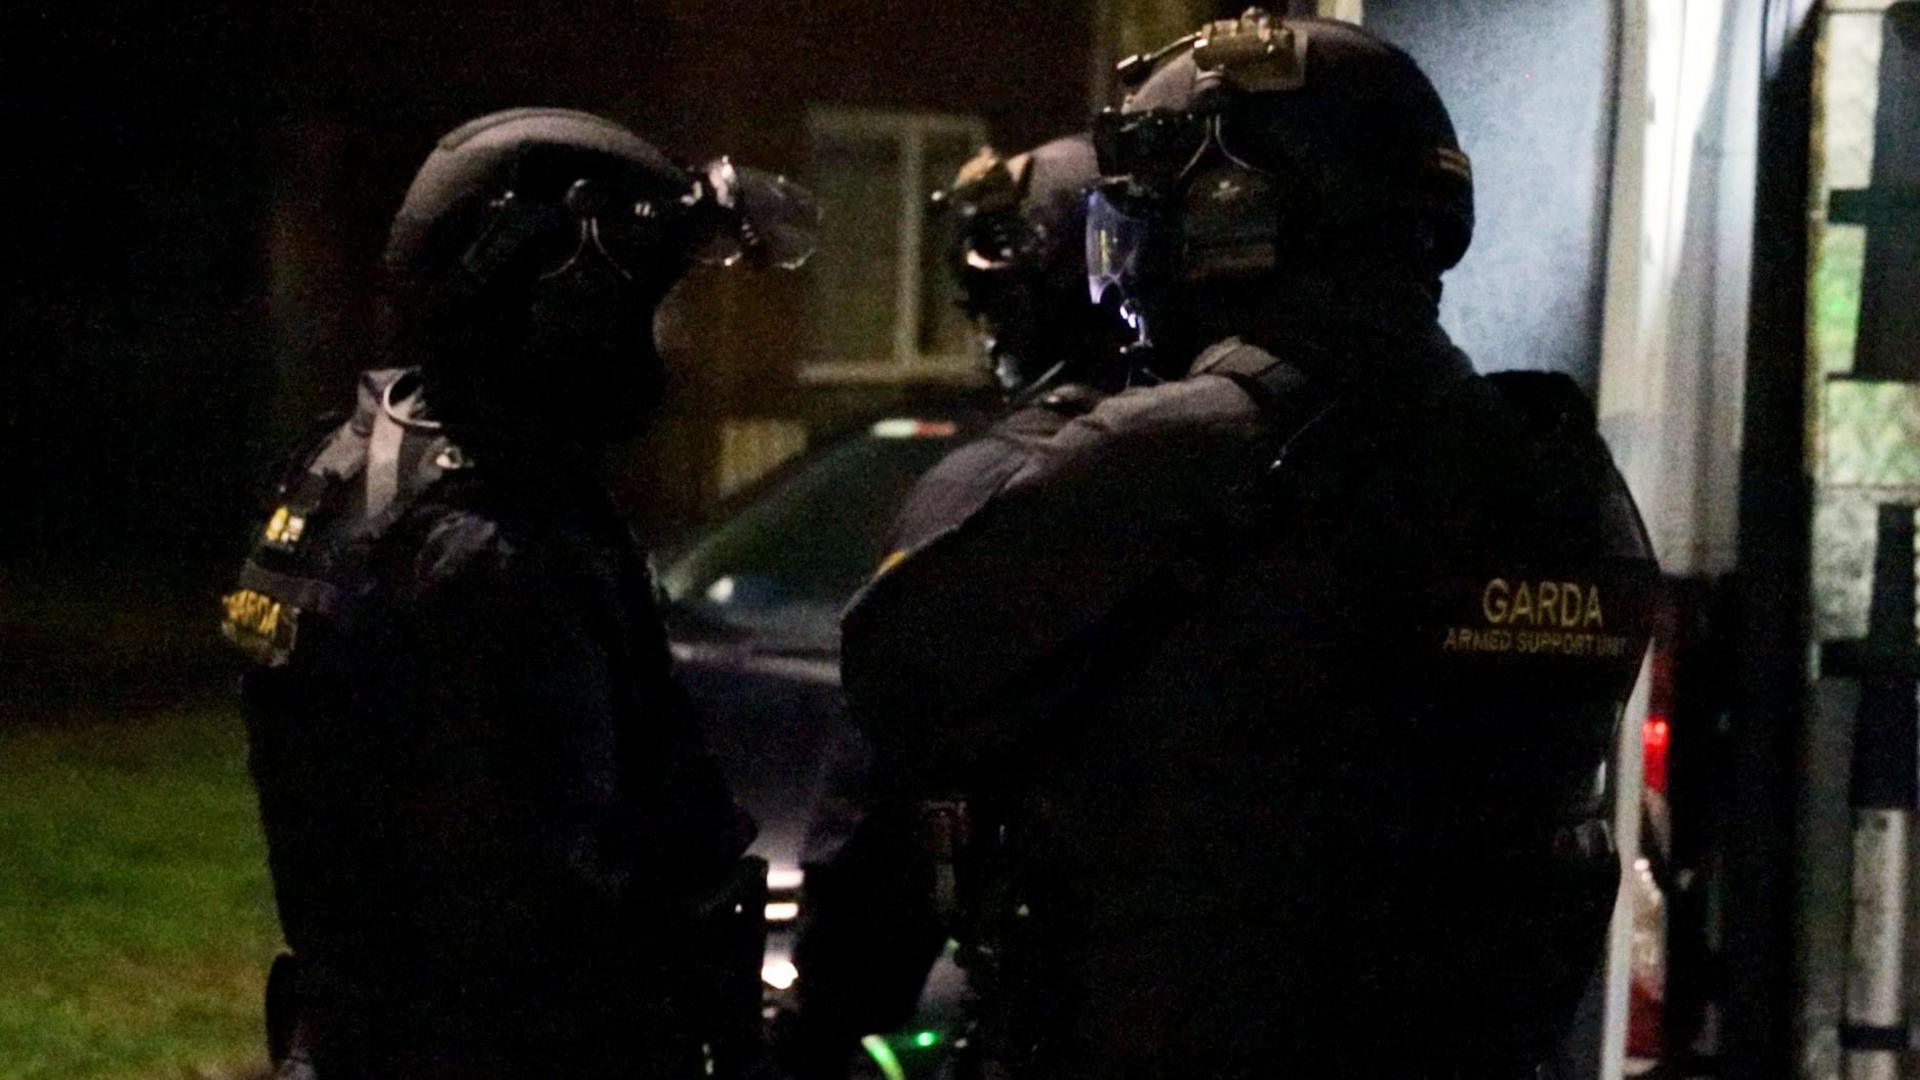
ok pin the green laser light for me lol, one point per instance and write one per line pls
(926, 1039)
(883, 1057)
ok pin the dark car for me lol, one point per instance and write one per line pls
(753, 608)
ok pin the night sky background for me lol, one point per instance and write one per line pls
(133, 197)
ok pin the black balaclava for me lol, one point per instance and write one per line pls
(1019, 256)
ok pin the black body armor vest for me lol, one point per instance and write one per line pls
(490, 816)
(1302, 695)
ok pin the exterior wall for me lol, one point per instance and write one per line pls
(1676, 323)
(1530, 86)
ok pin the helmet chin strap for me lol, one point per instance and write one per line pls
(1141, 361)
(1044, 382)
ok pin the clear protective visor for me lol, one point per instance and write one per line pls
(1118, 239)
(764, 218)
(724, 215)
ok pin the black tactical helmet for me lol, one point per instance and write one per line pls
(1017, 228)
(534, 245)
(1260, 147)
(539, 185)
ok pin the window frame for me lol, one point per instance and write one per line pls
(909, 129)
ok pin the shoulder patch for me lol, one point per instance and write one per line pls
(1596, 617)
(260, 626)
(284, 529)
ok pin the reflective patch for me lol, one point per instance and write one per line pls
(891, 561)
(1521, 615)
(1449, 160)
(284, 529)
(260, 626)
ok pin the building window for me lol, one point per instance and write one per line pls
(883, 305)
(751, 448)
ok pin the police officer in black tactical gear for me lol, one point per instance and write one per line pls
(881, 902)
(498, 845)
(1018, 228)
(1296, 671)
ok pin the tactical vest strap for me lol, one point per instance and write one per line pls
(311, 557)
(1248, 363)
(304, 593)
(405, 454)
(1273, 383)
(1291, 400)
(1071, 399)
(383, 465)
(1235, 358)
(339, 457)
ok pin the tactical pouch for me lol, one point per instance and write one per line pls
(943, 835)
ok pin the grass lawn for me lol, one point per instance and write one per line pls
(136, 919)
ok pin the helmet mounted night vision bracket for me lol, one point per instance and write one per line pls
(984, 200)
(987, 184)
(1139, 67)
(1255, 53)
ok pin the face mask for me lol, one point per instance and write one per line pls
(589, 349)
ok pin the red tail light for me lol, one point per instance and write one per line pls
(1654, 733)
(1654, 737)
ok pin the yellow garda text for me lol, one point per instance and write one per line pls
(1541, 619)
(253, 613)
(1568, 643)
(1565, 605)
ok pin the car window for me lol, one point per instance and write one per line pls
(785, 563)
